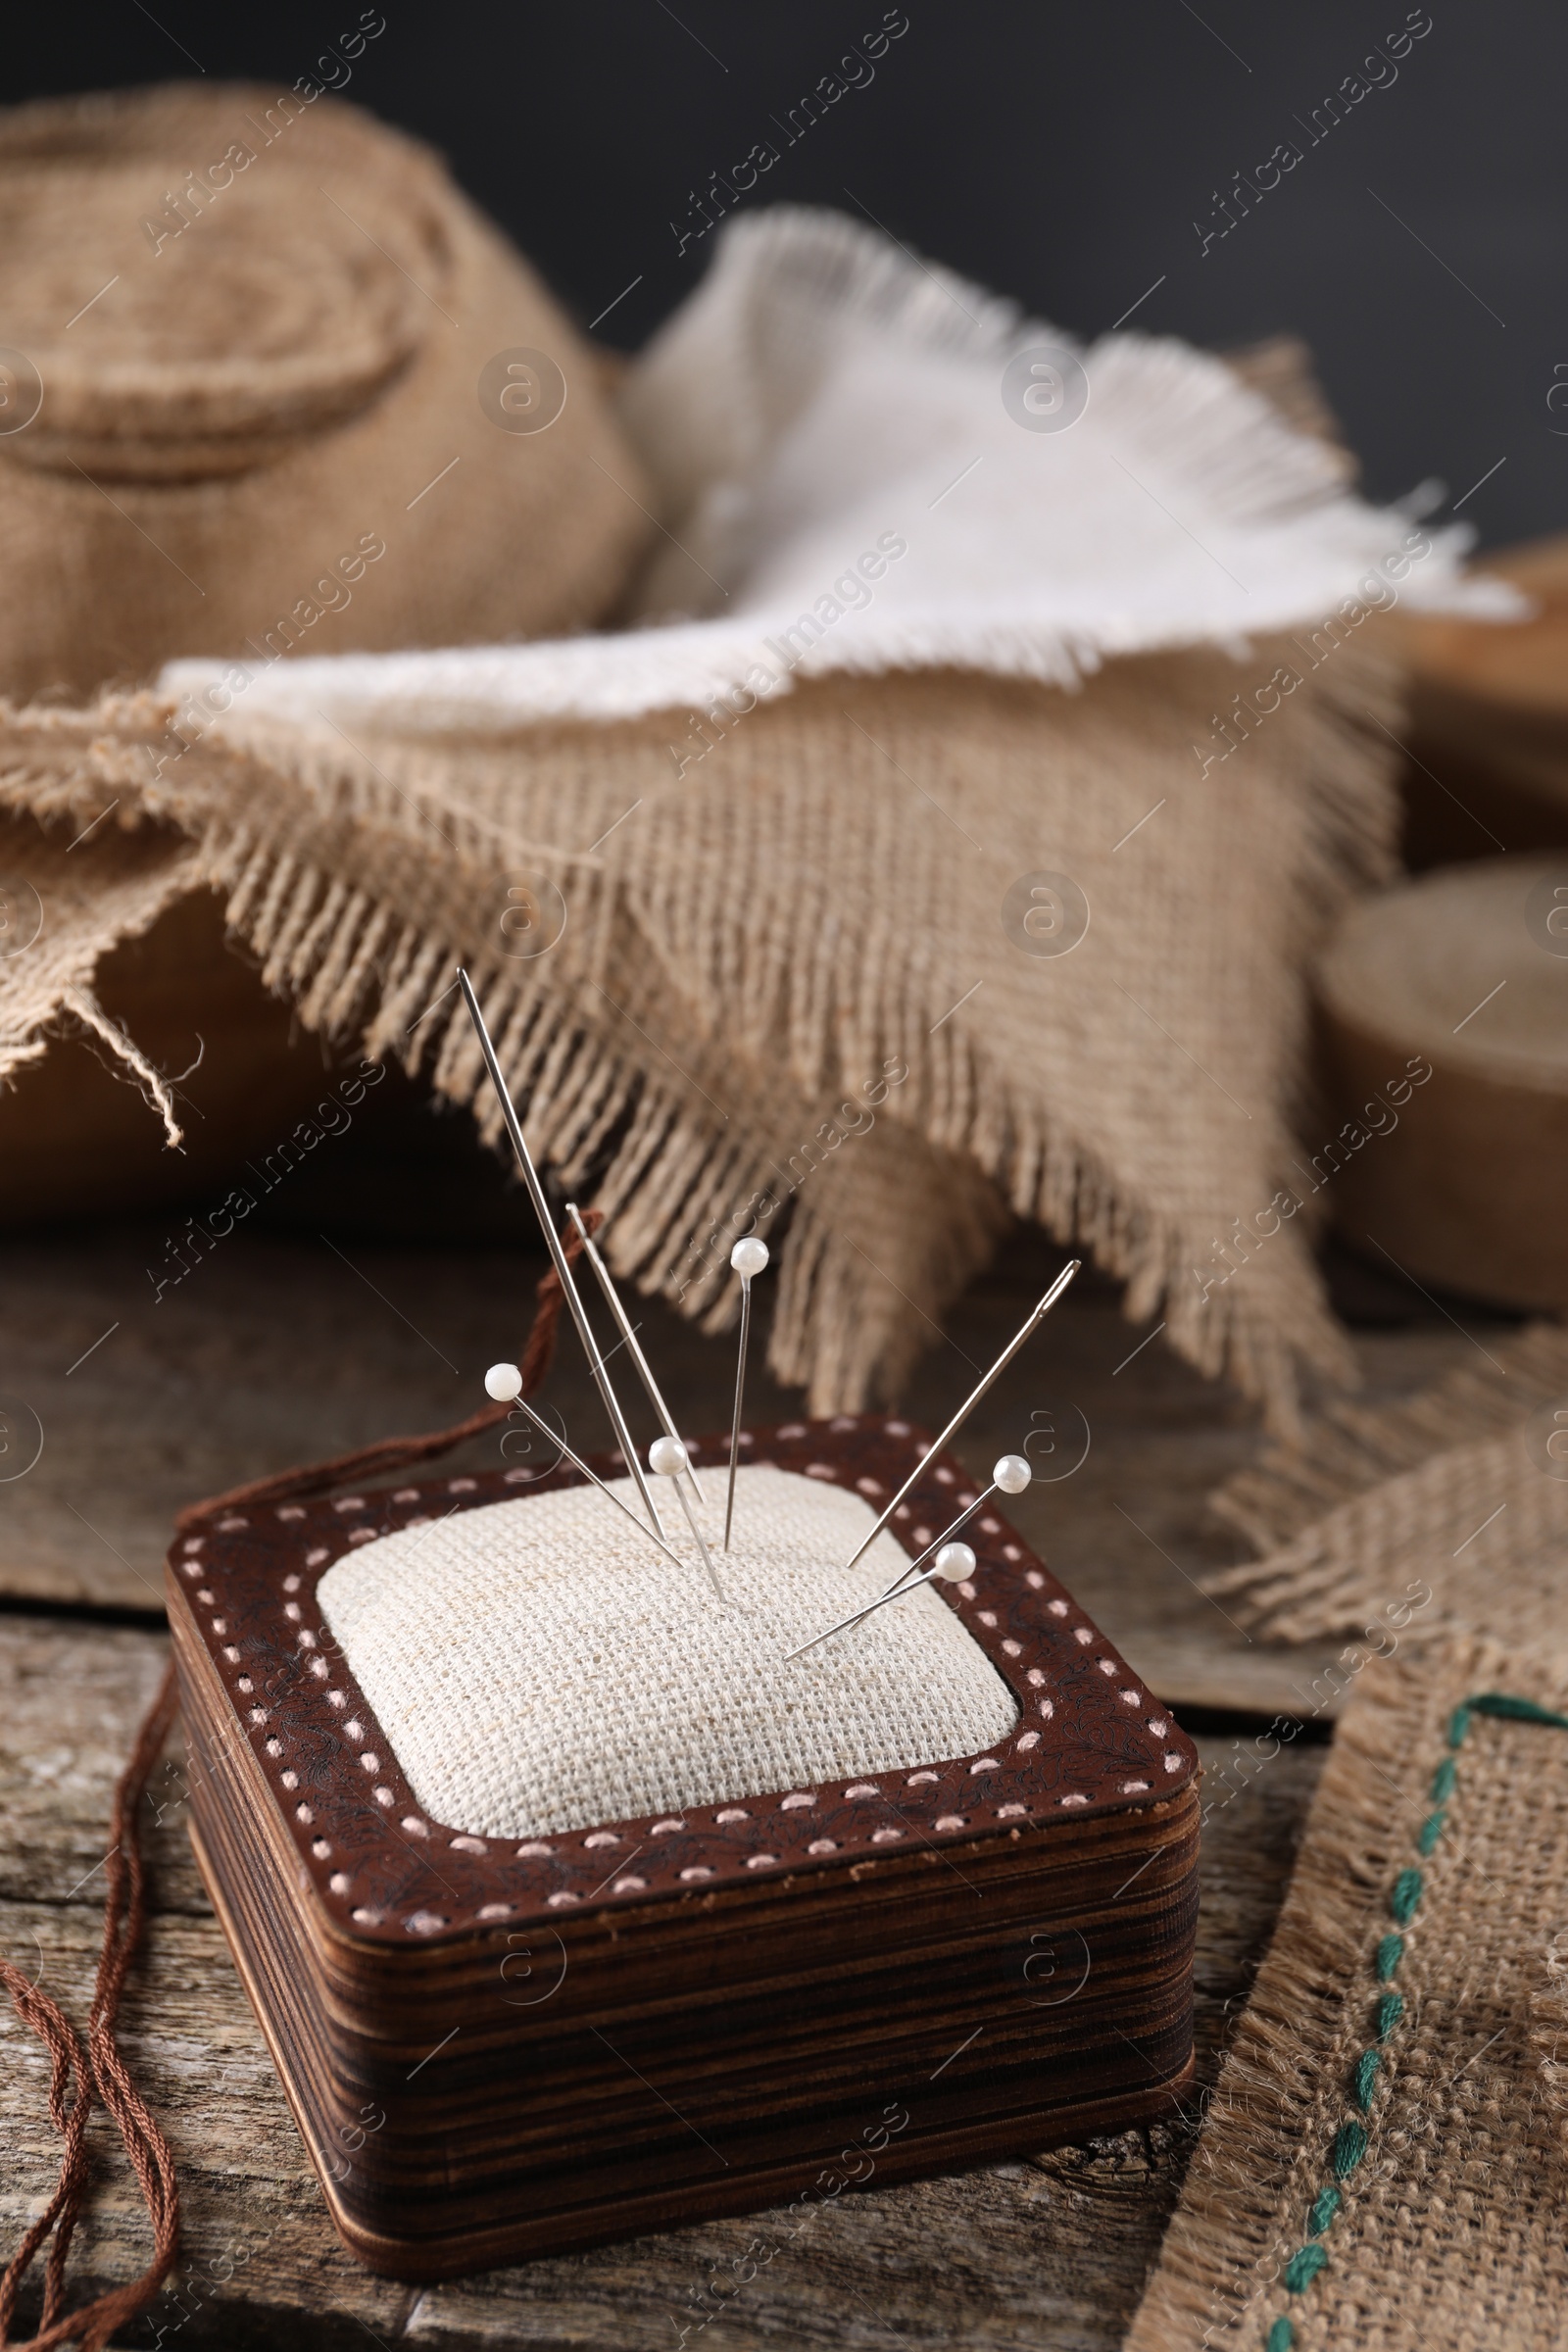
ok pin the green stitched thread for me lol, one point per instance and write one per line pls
(1516, 1710)
(1302, 2268)
(1325, 2206)
(1350, 2141)
(1405, 1897)
(1390, 1951)
(1391, 2008)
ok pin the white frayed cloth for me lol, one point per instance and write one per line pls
(821, 393)
(539, 1667)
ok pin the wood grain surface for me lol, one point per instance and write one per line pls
(1048, 2251)
(283, 1346)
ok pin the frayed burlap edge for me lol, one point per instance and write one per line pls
(1351, 1448)
(1549, 2013)
(347, 956)
(1268, 2138)
(135, 876)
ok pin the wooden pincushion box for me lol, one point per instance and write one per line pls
(498, 2048)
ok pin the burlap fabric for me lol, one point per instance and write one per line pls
(1548, 2011)
(752, 1006)
(487, 1644)
(1381, 2163)
(257, 322)
(861, 913)
(1463, 1488)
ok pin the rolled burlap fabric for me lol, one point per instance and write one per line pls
(274, 387)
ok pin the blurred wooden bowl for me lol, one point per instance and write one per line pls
(1488, 732)
(1456, 1176)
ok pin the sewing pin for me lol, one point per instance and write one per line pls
(1010, 1475)
(748, 1258)
(952, 1563)
(1036, 1317)
(569, 1285)
(591, 1251)
(667, 1456)
(504, 1382)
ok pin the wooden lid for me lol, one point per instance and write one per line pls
(1517, 671)
(1467, 965)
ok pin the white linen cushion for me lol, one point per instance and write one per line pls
(538, 1667)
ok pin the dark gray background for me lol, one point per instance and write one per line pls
(1060, 154)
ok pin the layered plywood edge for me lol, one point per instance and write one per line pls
(779, 1971)
(1050, 2250)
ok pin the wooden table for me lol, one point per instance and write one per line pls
(275, 1349)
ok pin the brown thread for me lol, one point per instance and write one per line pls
(100, 2071)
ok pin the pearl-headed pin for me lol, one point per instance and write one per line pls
(955, 1562)
(748, 1257)
(1011, 1473)
(504, 1383)
(668, 1459)
(1031, 1324)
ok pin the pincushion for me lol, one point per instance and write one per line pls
(500, 2045)
(492, 1644)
